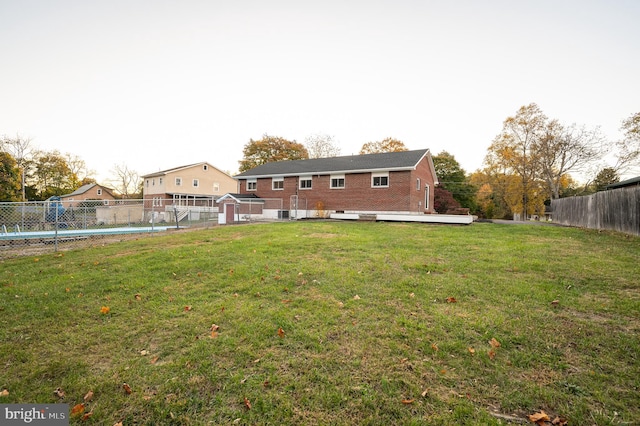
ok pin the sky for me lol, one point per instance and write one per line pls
(159, 84)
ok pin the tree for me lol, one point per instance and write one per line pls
(321, 146)
(385, 145)
(628, 148)
(9, 178)
(18, 148)
(443, 200)
(52, 175)
(605, 177)
(515, 150)
(454, 179)
(80, 174)
(126, 181)
(270, 149)
(561, 150)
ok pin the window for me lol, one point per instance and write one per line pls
(147, 183)
(178, 181)
(305, 182)
(153, 182)
(196, 182)
(418, 184)
(160, 181)
(157, 201)
(99, 192)
(216, 187)
(426, 197)
(337, 181)
(205, 167)
(252, 185)
(380, 180)
(277, 183)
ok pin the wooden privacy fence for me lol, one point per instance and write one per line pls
(616, 210)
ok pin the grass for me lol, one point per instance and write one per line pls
(381, 323)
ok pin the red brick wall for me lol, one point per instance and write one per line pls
(357, 195)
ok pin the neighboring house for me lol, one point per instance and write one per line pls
(625, 183)
(92, 192)
(393, 182)
(193, 185)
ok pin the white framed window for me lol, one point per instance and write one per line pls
(178, 181)
(426, 196)
(105, 202)
(196, 182)
(160, 181)
(99, 191)
(305, 182)
(205, 167)
(252, 184)
(153, 182)
(380, 180)
(418, 184)
(216, 186)
(147, 182)
(277, 184)
(337, 182)
(157, 201)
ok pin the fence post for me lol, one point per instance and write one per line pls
(55, 238)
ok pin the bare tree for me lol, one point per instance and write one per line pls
(79, 169)
(560, 150)
(628, 149)
(321, 145)
(125, 180)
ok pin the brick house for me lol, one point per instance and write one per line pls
(393, 182)
(89, 192)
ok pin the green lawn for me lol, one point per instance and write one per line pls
(330, 323)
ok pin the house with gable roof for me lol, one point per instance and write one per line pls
(191, 185)
(384, 183)
(88, 192)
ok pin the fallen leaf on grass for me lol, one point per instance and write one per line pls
(155, 359)
(4, 392)
(127, 388)
(555, 303)
(494, 343)
(59, 393)
(412, 295)
(87, 415)
(425, 393)
(105, 310)
(77, 410)
(247, 404)
(286, 301)
(89, 396)
(137, 296)
(559, 421)
(187, 308)
(356, 297)
(539, 418)
(434, 347)
(451, 300)
(280, 332)
(117, 424)
(471, 350)
(408, 401)
(492, 354)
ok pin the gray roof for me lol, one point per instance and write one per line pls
(628, 182)
(403, 160)
(85, 188)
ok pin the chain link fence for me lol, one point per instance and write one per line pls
(37, 227)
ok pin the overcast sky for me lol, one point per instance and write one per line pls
(160, 84)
